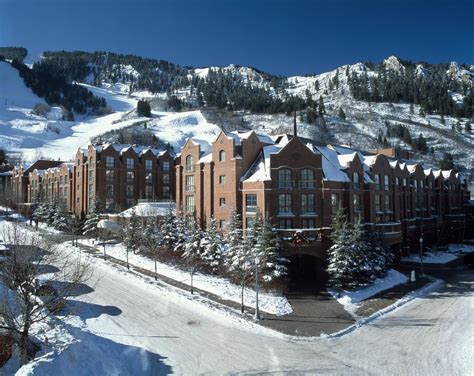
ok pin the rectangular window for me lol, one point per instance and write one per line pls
(386, 182)
(285, 223)
(129, 190)
(377, 182)
(357, 205)
(221, 224)
(190, 187)
(221, 179)
(110, 162)
(166, 166)
(222, 201)
(148, 165)
(388, 207)
(109, 176)
(130, 175)
(334, 203)
(109, 203)
(149, 191)
(166, 191)
(308, 223)
(284, 203)
(307, 203)
(109, 190)
(148, 177)
(166, 179)
(378, 204)
(130, 163)
(251, 203)
(190, 208)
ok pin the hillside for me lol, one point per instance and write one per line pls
(366, 105)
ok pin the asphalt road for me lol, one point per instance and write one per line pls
(433, 335)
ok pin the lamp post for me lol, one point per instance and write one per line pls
(257, 312)
(421, 254)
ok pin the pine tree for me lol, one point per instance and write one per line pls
(61, 219)
(267, 248)
(91, 221)
(213, 247)
(468, 127)
(168, 229)
(193, 249)
(133, 233)
(342, 114)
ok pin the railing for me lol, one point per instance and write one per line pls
(307, 184)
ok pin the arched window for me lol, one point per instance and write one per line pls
(222, 156)
(307, 179)
(356, 180)
(189, 163)
(284, 178)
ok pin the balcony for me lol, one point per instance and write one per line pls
(307, 184)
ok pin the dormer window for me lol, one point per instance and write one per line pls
(356, 180)
(189, 163)
(222, 156)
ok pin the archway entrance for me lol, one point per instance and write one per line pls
(306, 274)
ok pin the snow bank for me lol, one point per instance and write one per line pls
(349, 299)
(431, 258)
(270, 303)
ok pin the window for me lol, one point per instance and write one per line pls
(130, 164)
(149, 191)
(109, 190)
(221, 179)
(386, 182)
(166, 179)
(189, 163)
(377, 182)
(307, 178)
(166, 166)
(190, 204)
(109, 203)
(91, 161)
(378, 204)
(334, 203)
(221, 224)
(307, 203)
(148, 178)
(284, 178)
(356, 180)
(109, 176)
(357, 205)
(129, 190)
(398, 181)
(308, 223)
(130, 175)
(388, 207)
(148, 165)
(284, 203)
(190, 183)
(109, 162)
(285, 223)
(415, 183)
(404, 182)
(221, 156)
(251, 203)
(222, 201)
(166, 191)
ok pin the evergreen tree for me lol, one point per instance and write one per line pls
(213, 247)
(468, 127)
(133, 235)
(342, 114)
(61, 219)
(447, 163)
(143, 108)
(193, 249)
(91, 221)
(169, 231)
(3, 157)
(267, 248)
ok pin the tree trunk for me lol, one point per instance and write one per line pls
(25, 345)
(242, 297)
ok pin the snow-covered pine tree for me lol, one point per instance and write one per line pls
(133, 233)
(239, 253)
(182, 232)
(168, 230)
(380, 255)
(153, 241)
(213, 247)
(267, 249)
(193, 249)
(61, 218)
(90, 223)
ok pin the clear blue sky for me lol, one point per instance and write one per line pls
(279, 36)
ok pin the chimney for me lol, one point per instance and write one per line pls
(295, 131)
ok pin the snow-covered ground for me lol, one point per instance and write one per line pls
(350, 298)
(431, 258)
(270, 303)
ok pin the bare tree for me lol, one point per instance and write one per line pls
(36, 277)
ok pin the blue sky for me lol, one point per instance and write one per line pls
(281, 37)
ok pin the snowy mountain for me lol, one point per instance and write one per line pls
(198, 102)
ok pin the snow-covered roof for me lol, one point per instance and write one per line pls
(260, 169)
(206, 158)
(446, 173)
(150, 209)
(204, 145)
(332, 169)
(369, 160)
(345, 159)
(109, 225)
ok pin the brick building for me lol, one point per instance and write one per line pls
(119, 175)
(300, 185)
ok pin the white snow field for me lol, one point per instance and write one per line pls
(126, 325)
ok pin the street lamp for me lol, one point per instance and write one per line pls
(421, 254)
(256, 317)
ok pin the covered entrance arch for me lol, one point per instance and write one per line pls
(306, 273)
